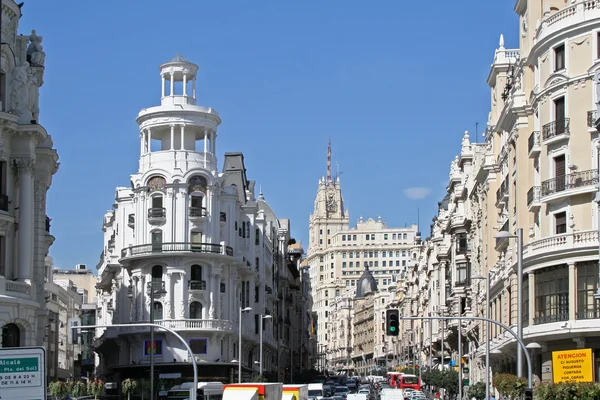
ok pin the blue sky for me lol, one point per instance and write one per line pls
(394, 84)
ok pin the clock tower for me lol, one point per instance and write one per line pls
(329, 215)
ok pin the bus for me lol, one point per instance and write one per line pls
(393, 379)
(206, 391)
(407, 381)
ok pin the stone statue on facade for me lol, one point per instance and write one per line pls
(35, 52)
(19, 97)
(33, 86)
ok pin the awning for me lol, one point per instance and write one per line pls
(240, 394)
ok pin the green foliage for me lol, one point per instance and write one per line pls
(432, 377)
(450, 381)
(128, 385)
(509, 385)
(58, 389)
(567, 391)
(95, 387)
(78, 389)
(476, 390)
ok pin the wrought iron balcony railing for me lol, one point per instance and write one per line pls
(556, 128)
(197, 212)
(533, 195)
(569, 181)
(197, 285)
(533, 141)
(156, 212)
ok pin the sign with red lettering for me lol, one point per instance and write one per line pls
(573, 366)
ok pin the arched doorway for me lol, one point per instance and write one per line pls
(11, 336)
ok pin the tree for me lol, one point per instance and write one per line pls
(450, 381)
(509, 385)
(128, 386)
(79, 389)
(477, 390)
(95, 387)
(58, 390)
(432, 377)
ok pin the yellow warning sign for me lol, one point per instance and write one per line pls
(573, 366)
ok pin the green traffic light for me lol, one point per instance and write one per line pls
(392, 329)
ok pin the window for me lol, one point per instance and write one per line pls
(559, 116)
(157, 272)
(353, 237)
(3, 179)
(560, 222)
(196, 272)
(462, 243)
(256, 324)
(11, 336)
(256, 294)
(157, 203)
(343, 238)
(199, 346)
(3, 91)
(385, 236)
(157, 310)
(559, 57)
(462, 274)
(404, 236)
(597, 44)
(587, 276)
(552, 295)
(257, 237)
(559, 173)
(196, 208)
(393, 236)
(196, 240)
(155, 349)
(195, 310)
(344, 264)
(372, 236)
(344, 254)
(157, 240)
(367, 236)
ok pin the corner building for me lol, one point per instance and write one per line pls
(202, 241)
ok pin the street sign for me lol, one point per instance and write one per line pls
(23, 373)
(573, 366)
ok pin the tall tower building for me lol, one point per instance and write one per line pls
(338, 255)
(201, 241)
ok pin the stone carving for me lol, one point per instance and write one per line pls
(35, 52)
(169, 309)
(19, 97)
(182, 309)
(33, 86)
(23, 164)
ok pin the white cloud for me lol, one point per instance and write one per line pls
(417, 193)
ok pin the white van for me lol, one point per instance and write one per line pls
(316, 391)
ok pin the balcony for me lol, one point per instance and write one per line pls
(156, 285)
(156, 215)
(570, 184)
(592, 116)
(131, 220)
(554, 246)
(182, 247)
(502, 194)
(533, 198)
(17, 289)
(3, 202)
(215, 325)
(534, 144)
(199, 286)
(196, 213)
(556, 130)
(563, 316)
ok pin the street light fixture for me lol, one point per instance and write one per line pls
(242, 310)
(260, 334)
(153, 292)
(519, 237)
(487, 330)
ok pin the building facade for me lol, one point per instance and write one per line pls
(204, 244)
(27, 164)
(338, 255)
(536, 172)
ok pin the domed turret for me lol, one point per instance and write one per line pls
(366, 284)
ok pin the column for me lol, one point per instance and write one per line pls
(25, 167)
(140, 297)
(169, 296)
(172, 85)
(572, 291)
(182, 137)
(162, 87)
(184, 84)
(531, 278)
(213, 142)
(149, 140)
(142, 141)
(205, 146)
(134, 299)
(172, 137)
(211, 287)
(194, 87)
(218, 296)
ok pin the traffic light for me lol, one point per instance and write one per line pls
(392, 322)
(528, 395)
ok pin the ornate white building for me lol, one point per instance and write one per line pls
(338, 255)
(206, 242)
(27, 163)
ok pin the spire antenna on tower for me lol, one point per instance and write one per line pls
(329, 161)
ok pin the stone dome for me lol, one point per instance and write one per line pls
(366, 284)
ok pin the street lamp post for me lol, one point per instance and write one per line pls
(260, 334)
(487, 331)
(153, 292)
(242, 310)
(519, 237)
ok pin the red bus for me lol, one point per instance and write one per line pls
(393, 379)
(409, 382)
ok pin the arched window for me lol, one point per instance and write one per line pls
(157, 310)
(197, 207)
(157, 273)
(11, 336)
(195, 310)
(196, 272)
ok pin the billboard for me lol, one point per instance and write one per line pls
(23, 373)
(573, 366)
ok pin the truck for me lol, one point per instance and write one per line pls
(253, 391)
(295, 392)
